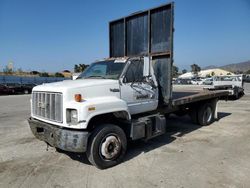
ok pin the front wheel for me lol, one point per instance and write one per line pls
(107, 146)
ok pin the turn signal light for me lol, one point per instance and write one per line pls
(78, 97)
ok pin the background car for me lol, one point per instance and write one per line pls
(18, 88)
(246, 78)
(15, 87)
(182, 81)
(208, 81)
(197, 81)
(27, 88)
(4, 90)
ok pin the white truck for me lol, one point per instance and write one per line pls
(231, 83)
(117, 100)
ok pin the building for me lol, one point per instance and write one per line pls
(207, 73)
(66, 74)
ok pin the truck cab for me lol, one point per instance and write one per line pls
(64, 114)
(132, 84)
(122, 85)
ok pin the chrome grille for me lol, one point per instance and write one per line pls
(47, 105)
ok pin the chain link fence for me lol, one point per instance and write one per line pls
(30, 80)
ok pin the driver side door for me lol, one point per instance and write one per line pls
(139, 94)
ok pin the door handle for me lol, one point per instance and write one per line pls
(114, 90)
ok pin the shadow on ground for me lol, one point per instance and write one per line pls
(222, 115)
(176, 127)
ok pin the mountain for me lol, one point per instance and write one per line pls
(209, 67)
(240, 67)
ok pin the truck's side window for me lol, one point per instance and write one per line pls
(134, 72)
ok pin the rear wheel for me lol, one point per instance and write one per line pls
(205, 115)
(236, 95)
(107, 146)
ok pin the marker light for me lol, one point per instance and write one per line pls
(78, 97)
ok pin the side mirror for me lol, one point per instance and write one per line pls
(125, 79)
(146, 67)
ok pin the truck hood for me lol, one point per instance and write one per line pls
(73, 84)
(87, 87)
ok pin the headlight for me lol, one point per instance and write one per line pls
(72, 116)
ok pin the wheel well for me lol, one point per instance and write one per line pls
(196, 107)
(118, 118)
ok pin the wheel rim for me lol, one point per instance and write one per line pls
(110, 147)
(208, 114)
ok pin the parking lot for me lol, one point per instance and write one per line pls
(186, 156)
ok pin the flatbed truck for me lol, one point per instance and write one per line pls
(232, 83)
(119, 99)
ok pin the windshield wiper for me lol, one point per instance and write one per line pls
(97, 76)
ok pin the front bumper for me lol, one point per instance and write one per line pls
(65, 139)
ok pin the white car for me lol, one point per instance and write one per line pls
(197, 81)
(208, 81)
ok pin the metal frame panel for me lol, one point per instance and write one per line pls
(165, 12)
(152, 37)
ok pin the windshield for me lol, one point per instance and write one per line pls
(103, 69)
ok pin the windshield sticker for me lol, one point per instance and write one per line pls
(120, 61)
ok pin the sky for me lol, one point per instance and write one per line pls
(53, 35)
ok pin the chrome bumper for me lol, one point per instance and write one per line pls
(65, 139)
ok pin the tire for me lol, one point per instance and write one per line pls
(107, 146)
(236, 95)
(205, 114)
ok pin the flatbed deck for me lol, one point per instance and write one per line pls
(184, 95)
(190, 96)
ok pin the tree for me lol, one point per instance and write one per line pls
(58, 74)
(248, 72)
(80, 67)
(20, 71)
(184, 71)
(195, 69)
(7, 70)
(212, 73)
(66, 71)
(34, 72)
(44, 74)
(238, 72)
(76, 68)
(175, 71)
